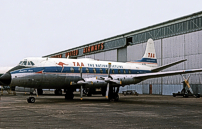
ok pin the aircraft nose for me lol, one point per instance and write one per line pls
(6, 78)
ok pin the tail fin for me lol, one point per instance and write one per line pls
(149, 58)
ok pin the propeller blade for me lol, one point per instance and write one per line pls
(81, 72)
(188, 77)
(81, 92)
(183, 77)
(107, 91)
(187, 83)
(109, 66)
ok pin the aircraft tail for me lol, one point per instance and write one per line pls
(149, 58)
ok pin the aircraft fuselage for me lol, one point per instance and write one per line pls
(59, 73)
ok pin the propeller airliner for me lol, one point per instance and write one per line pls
(72, 74)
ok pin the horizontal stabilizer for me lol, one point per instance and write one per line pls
(167, 65)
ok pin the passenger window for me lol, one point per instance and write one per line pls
(129, 71)
(79, 69)
(124, 71)
(94, 70)
(119, 71)
(87, 70)
(72, 69)
(106, 71)
(113, 71)
(101, 70)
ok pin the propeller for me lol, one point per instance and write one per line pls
(107, 91)
(187, 83)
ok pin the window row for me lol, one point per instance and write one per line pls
(101, 70)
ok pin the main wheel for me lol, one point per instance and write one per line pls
(69, 96)
(185, 96)
(174, 95)
(89, 94)
(116, 97)
(198, 96)
(113, 97)
(40, 91)
(59, 92)
(103, 94)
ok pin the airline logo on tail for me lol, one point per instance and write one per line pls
(151, 55)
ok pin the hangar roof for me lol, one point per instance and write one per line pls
(185, 24)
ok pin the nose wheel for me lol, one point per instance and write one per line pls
(31, 100)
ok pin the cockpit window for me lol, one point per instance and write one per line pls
(20, 62)
(24, 62)
(29, 63)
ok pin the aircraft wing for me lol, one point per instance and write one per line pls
(167, 65)
(163, 74)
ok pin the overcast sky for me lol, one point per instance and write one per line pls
(35, 28)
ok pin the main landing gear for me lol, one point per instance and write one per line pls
(40, 91)
(69, 94)
(58, 92)
(113, 94)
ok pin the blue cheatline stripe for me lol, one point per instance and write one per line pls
(147, 60)
(55, 69)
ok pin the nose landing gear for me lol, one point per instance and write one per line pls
(32, 99)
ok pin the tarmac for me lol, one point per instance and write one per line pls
(139, 112)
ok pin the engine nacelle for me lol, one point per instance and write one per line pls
(127, 80)
(97, 83)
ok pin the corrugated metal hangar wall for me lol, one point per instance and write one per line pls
(174, 40)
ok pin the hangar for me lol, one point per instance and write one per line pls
(175, 39)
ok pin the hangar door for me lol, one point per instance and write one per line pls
(122, 54)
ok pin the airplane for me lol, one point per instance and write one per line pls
(72, 74)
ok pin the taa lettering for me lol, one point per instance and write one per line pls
(78, 63)
(151, 55)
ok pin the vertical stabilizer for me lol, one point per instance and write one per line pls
(150, 50)
(149, 58)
